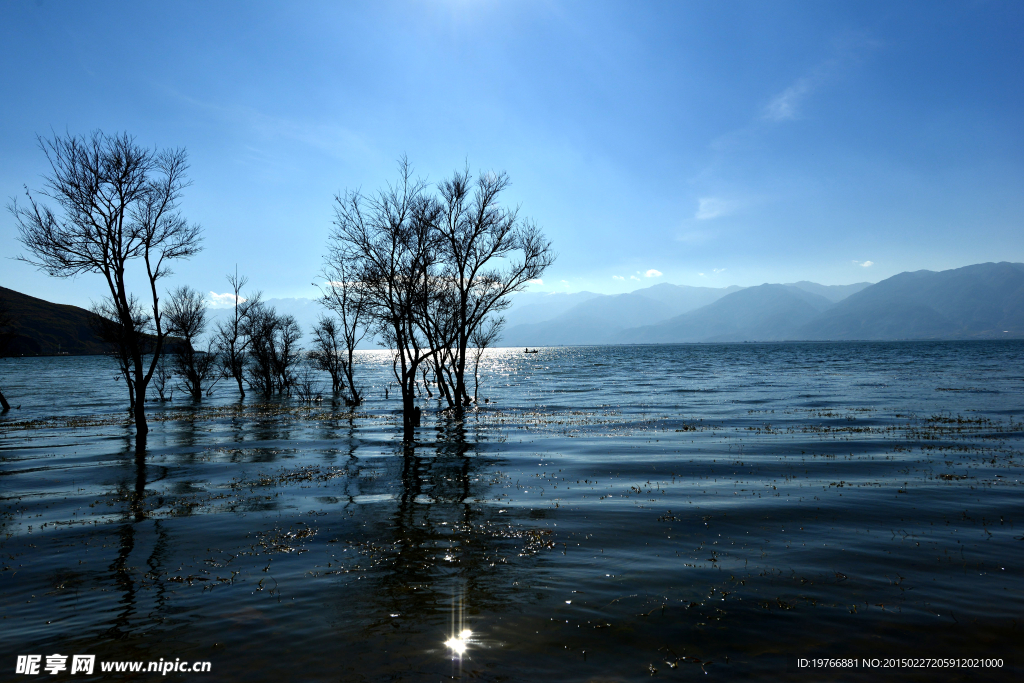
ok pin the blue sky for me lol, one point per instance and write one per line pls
(700, 143)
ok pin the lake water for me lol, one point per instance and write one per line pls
(609, 514)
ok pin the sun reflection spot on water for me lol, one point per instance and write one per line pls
(459, 643)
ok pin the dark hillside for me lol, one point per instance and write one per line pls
(42, 328)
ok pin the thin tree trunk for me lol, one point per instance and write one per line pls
(131, 394)
(408, 415)
(476, 377)
(141, 428)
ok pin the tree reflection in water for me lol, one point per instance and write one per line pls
(133, 518)
(443, 559)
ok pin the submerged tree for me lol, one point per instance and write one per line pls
(119, 337)
(116, 203)
(273, 350)
(231, 339)
(390, 237)
(186, 320)
(432, 274)
(326, 353)
(482, 339)
(488, 253)
(341, 296)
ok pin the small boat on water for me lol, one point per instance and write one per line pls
(529, 351)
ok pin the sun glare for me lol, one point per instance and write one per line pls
(458, 643)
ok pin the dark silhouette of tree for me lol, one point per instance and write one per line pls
(273, 350)
(326, 353)
(489, 253)
(186, 320)
(7, 335)
(433, 273)
(341, 297)
(116, 203)
(231, 341)
(161, 377)
(482, 339)
(390, 236)
(118, 338)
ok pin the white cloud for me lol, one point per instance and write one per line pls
(863, 264)
(538, 281)
(711, 207)
(718, 270)
(634, 277)
(618, 277)
(783, 106)
(652, 273)
(226, 299)
(847, 52)
(565, 282)
(702, 274)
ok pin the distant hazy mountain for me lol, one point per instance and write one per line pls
(46, 329)
(598, 319)
(833, 293)
(764, 313)
(984, 301)
(980, 301)
(533, 307)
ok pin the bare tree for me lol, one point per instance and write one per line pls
(118, 338)
(117, 203)
(160, 379)
(389, 236)
(341, 296)
(307, 388)
(261, 331)
(481, 339)
(434, 273)
(273, 350)
(186, 320)
(489, 253)
(7, 334)
(326, 353)
(289, 353)
(231, 340)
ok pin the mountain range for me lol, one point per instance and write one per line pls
(983, 301)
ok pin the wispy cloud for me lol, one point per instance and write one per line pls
(652, 273)
(618, 277)
(864, 264)
(226, 299)
(634, 277)
(847, 50)
(785, 105)
(565, 282)
(718, 270)
(538, 281)
(711, 207)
